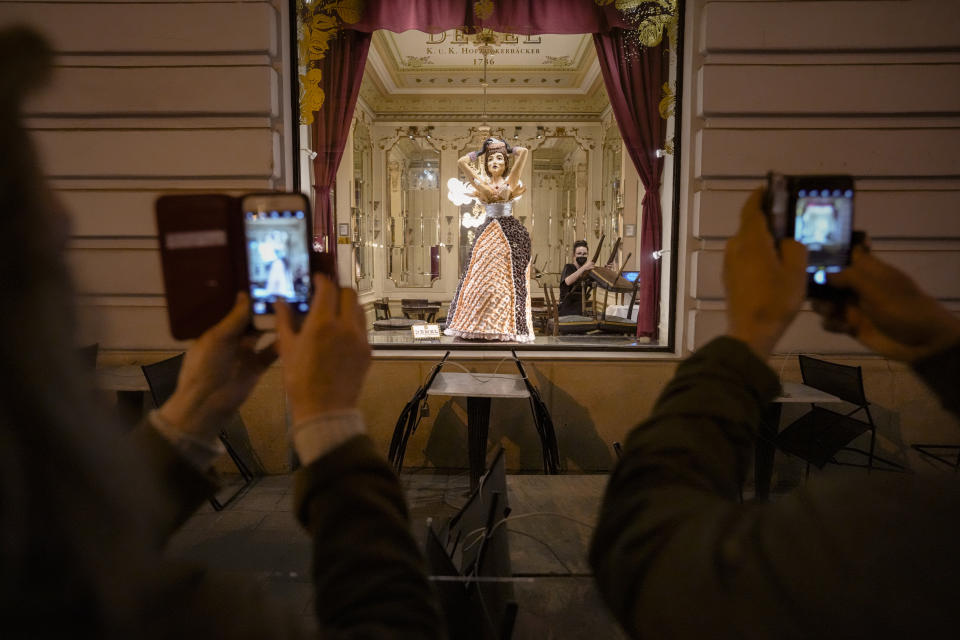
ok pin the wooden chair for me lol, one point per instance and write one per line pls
(566, 325)
(623, 325)
(381, 310)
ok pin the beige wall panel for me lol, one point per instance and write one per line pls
(153, 153)
(830, 26)
(804, 336)
(593, 404)
(150, 28)
(116, 271)
(860, 152)
(102, 213)
(126, 327)
(158, 91)
(883, 214)
(935, 271)
(839, 89)
(110, 213)
(264, 416)
(586, 418)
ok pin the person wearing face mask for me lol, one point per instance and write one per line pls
(572, 280)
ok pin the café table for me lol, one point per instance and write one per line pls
(793, 393)
(130, 386)
(422, 311)
(478, 388)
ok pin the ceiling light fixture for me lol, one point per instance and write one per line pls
(485, 40)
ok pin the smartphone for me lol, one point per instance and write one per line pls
(201, 259)
(277, 239)
(816, 211)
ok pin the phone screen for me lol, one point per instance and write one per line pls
(823, 221)
(278, 258)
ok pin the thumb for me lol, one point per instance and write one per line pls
(793, 256)
(236, 322)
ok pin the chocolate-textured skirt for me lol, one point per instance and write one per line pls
(492, 301)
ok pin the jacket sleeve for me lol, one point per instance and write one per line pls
(179, 488)
(677, 556)
(941, 372)
(369, 574)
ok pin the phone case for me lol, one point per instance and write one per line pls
(201, 251)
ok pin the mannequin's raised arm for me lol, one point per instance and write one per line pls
(522, 154)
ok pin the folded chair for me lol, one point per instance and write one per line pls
(821, 434)
(162, 380)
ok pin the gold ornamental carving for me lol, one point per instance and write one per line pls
(319, 22)
(650, 19)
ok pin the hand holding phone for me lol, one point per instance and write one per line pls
(816, 211)
(277, 239)
(213, 246)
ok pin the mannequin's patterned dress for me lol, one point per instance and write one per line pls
(492, 301)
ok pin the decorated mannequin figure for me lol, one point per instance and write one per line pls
(492, 301)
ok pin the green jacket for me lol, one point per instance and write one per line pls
(676, 555)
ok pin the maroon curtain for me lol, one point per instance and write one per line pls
(634, 76)
(342, 72)
(512, 16)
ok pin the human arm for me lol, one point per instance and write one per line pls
(891, 315)
(369, 574)
(576, 273)
(178, 443)
(676, 555)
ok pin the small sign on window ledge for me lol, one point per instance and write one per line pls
(425, 331)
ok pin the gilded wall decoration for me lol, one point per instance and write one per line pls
(558, 61)
(483, 9)
(318, 23)
(668, 102)
(415, 62)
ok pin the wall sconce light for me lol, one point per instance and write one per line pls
(430, 132)
(539, 133)
(516, 133)
(412, 132)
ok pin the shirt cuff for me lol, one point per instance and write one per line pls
(314, 438)
(199, 452)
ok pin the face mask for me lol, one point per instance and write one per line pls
(581, 260)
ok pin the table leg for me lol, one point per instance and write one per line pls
(478, 426)
(765, 450)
